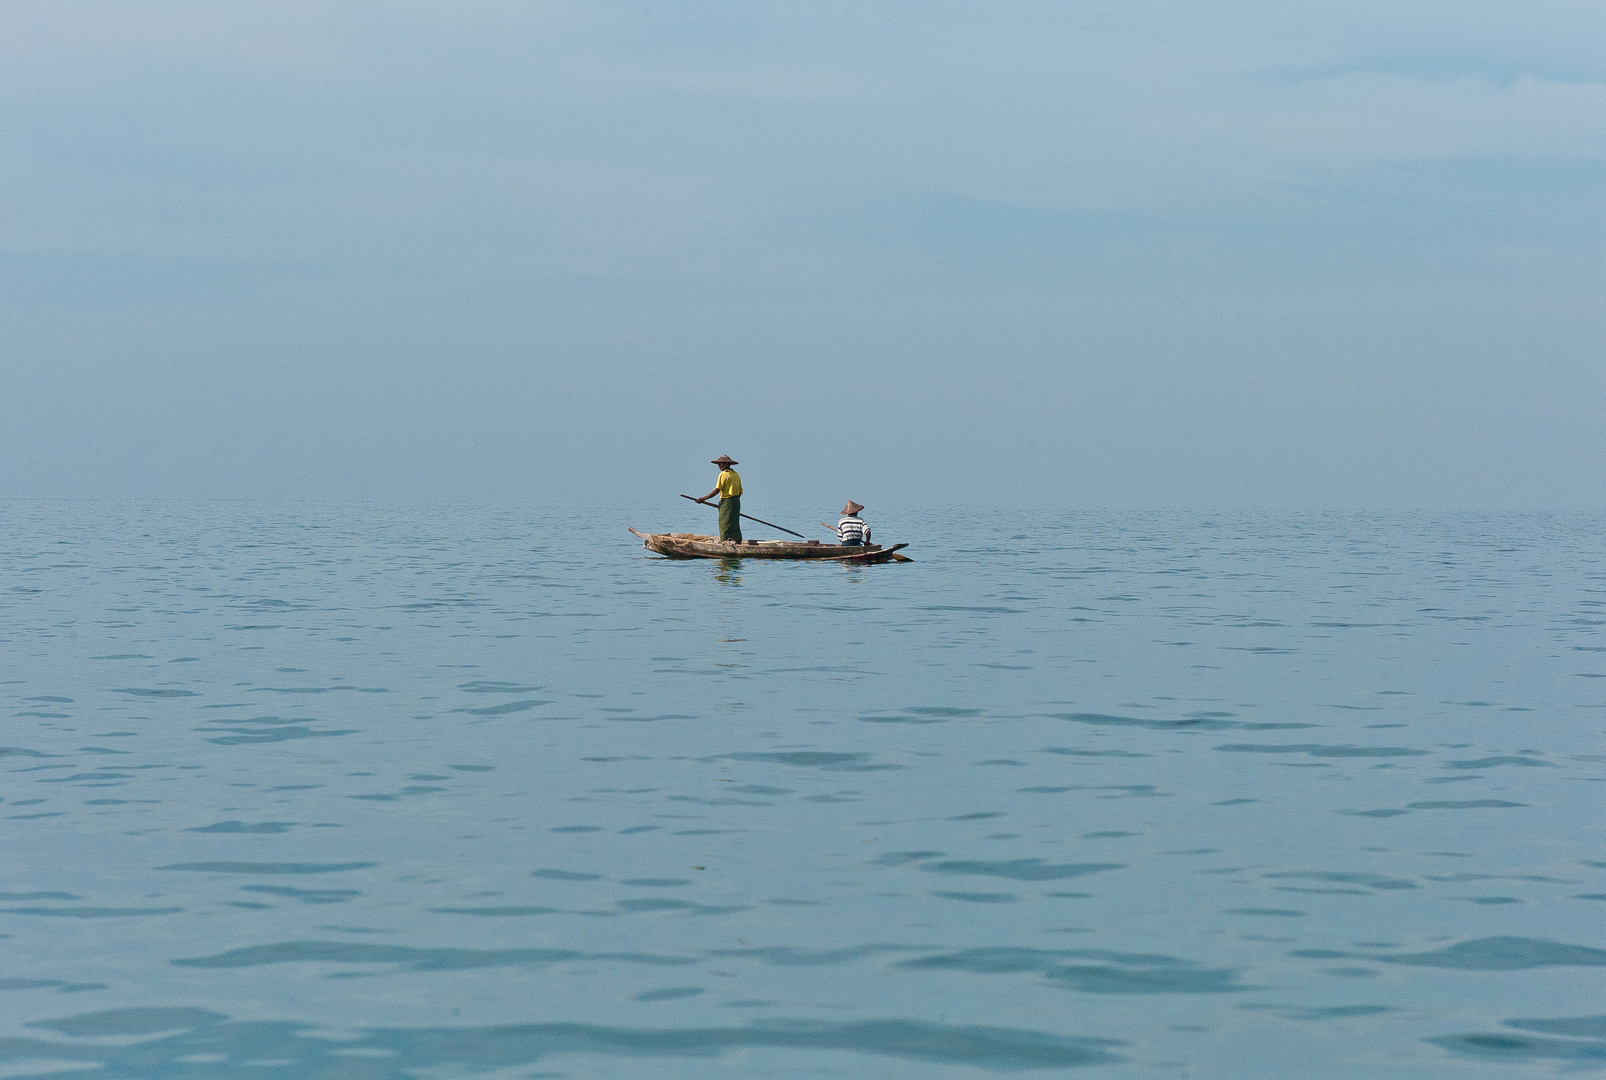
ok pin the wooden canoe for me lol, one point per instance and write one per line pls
(695, 546)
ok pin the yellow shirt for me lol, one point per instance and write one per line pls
(729, 484)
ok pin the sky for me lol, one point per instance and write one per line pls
(1143, 253)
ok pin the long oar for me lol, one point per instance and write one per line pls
(750, 517)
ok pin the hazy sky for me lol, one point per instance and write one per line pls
(1105, 253)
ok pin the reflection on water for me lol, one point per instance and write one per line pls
(389, 794)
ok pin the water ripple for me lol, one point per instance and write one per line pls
(1117, 973)
(182, 1037)
(409, 958)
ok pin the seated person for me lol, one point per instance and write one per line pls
(852, 529)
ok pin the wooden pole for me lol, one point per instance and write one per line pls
(750, 517)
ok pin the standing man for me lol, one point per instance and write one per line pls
(852, 529)
(729, 489)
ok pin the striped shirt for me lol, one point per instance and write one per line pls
(852, 530)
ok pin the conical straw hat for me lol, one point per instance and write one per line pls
(852, 507)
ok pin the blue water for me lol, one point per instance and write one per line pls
(355, 792)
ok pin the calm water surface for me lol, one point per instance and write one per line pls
(336, 792)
